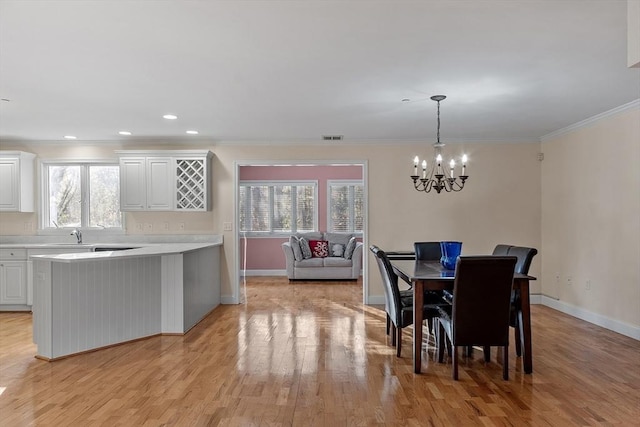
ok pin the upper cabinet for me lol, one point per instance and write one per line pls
(167, 180)
(16, 181)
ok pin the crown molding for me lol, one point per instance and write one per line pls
(591, 120)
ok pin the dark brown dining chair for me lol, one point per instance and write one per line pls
(399, 307)
(427, 251)
(430, 251)
(487, 279)
(525, 256)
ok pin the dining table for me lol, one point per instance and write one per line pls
(432, 275)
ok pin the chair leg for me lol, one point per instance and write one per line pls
(430, 325)
(393, 335)
(487, 353)
(517, 338)
(454, 349)
(399, 342)
(388, 324)
(505, 361)
(441, 340)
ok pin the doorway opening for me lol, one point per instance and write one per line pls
(260, 253)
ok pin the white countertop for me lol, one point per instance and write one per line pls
(149, 250)
(141, 249)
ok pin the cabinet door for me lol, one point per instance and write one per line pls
(132, 184)
(160, 184)
(13, 282)
(9, 187)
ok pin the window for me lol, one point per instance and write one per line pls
(278, 207)
(345, 205)
(85, 195)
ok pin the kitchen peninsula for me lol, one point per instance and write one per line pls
(89, 300)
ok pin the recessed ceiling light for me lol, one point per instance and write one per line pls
(192, 132)
(124, 132)
(170, 116)
(69, 137)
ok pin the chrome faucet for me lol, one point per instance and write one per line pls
(78, 235)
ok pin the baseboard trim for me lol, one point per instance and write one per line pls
(250, 273)
(591, 317)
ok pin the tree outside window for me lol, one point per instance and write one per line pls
(82, 195)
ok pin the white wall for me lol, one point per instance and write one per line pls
(591, 221)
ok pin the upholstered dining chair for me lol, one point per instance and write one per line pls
(525, 256)
(430, 251)
(427, 251)
(398, 306)
(466, 323)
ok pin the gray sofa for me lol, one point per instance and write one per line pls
(322, 268)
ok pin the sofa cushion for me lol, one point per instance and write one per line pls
(306, 250)
(295, 246)
(319, 248)
(311, 262)
(312, 235)
(342, 238)
(336, 249)
(351, 246)
(334, 261)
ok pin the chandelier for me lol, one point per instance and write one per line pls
(438, 177)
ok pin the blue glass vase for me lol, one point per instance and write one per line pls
(450, 253)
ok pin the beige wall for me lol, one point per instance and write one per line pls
(580, 207)
(591, 220)
(501, 203)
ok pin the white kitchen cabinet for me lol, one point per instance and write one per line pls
(133, 192)
(160, 184)
(13, 282)
(17, 181)
(13, 278)
(166, 180)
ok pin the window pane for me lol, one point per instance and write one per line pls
(358, 208)
(281, 208)
(305, 209)
(254, 205)
(104, 196)
(64, 196)
(339, 208)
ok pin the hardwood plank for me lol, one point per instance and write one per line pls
(310, 354)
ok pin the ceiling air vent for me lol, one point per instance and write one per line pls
(332, 137)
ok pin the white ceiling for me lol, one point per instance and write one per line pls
(295, 70)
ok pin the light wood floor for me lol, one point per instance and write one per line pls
(310, 354)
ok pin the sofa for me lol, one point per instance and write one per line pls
(323, 256)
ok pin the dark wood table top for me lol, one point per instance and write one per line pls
(411, 270)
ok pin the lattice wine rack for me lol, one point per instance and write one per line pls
(191, 184)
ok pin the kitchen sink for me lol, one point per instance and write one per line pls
(110, 248)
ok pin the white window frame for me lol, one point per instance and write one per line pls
(43, 211)
(271, 184)
(352, 215)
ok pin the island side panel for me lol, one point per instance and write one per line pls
(172, 294)
(42, 308)
(201, 284)
(104, 302)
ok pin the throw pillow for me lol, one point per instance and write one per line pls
(319, 248)
(351, 246)
(306, 250)
(336, 249)
(295, 245)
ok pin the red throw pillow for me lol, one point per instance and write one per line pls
(319, 248)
